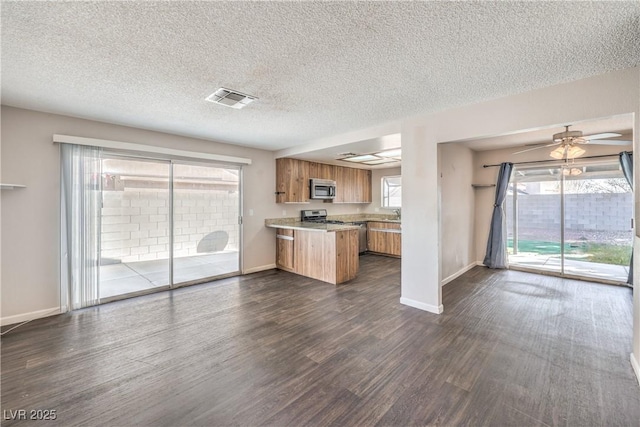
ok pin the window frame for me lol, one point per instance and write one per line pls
(385, 198)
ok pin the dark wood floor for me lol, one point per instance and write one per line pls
(273, 348)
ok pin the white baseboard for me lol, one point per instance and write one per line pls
(10, 320)
(459, 273)
(422, 306)
(259, 268)
(636, 367)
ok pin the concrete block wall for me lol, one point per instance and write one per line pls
(589, 212)
(135, 222)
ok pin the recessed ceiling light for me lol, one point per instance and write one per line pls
(363, 158)
(390, 153)
(380, 161)
(231, 98)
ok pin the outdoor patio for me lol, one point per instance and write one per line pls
(124, 278)
(551, 262)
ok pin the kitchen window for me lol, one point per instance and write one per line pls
(392, 192)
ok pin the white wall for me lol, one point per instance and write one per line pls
(30, 216)
(420, 284)
(455, 167)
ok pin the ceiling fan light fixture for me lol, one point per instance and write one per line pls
(575, 151)
(567, 135)
(571, 172)
(558, 153)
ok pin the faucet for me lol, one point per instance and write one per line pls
(397, 212)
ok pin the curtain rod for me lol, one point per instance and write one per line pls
(547, 161)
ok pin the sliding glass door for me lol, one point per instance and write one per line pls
(598, 229)
(573, 220)
(534, 219)
(206, 229)
(133, 225)
(134, 239)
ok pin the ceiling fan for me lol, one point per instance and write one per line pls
(568, 143)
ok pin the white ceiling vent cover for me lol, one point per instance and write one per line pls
(231, 98)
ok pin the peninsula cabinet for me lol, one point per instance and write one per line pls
(292, 181)
(285, 250)
(331, 257)
(384, 238)
(328, 256)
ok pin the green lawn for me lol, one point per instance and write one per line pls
(585, 251)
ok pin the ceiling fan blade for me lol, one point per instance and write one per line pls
(609, 142)
(536, 148)
(602, 135)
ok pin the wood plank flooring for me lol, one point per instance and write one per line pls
(274, 348)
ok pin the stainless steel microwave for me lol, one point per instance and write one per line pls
(322, 188)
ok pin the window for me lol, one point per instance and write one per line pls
(391, 191)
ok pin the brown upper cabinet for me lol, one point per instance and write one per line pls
(322, 171)
(292, 181)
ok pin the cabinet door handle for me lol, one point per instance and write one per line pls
(386, 230)
(283, 237)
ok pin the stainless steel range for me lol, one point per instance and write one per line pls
(319, 216)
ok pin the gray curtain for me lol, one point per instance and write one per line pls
(626, 162)
(496, 256)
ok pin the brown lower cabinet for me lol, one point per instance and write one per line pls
(384, 238)
(331, 257)
(284, 249)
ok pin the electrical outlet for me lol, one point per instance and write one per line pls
(250, 212)
(357, 210)
(284, 213)
(377, 209)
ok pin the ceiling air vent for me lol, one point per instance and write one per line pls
(230, 98)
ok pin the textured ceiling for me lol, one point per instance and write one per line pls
(319, 69)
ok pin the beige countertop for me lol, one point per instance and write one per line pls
(296, 224)
(309, 226)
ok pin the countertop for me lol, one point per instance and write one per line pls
(296, 224)
(309, 226)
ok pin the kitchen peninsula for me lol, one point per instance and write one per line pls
(322, 251)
